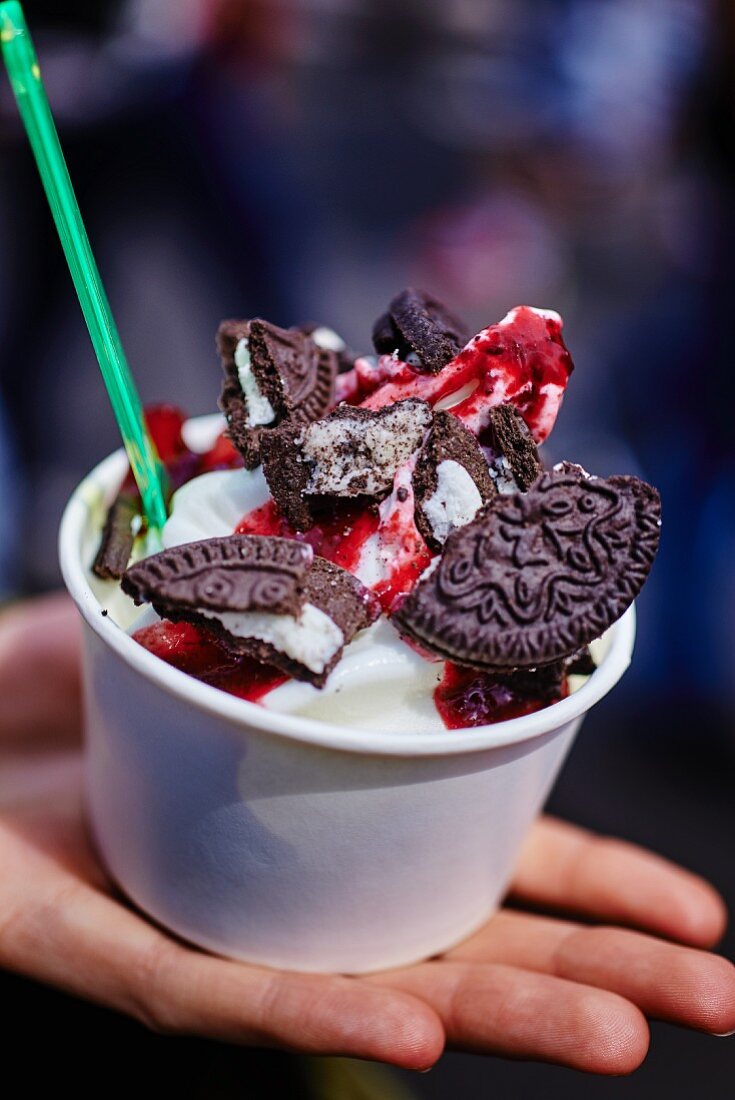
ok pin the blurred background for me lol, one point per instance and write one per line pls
(305, 160)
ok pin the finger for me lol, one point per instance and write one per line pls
(565, 867)
(57, 928)
(40, 672)
(679, 984)
(491, 1009)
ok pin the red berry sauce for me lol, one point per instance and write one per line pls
(523, 362)
(467, 697)
(195, 651)
(339, 538)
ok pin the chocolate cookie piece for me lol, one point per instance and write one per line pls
(352, 452)
(308, 646)
(271, 375)
(581, 663)
(287, 474)
(326, 338)
(118, 536)
(342, 596)
(263, 597)
(234, 573)
(418, 324)
(356, 452)
(448, 496)
(537, 575)
(509, 438)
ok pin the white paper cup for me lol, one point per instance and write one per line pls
(291, 842)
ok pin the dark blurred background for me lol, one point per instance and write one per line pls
(304, 160)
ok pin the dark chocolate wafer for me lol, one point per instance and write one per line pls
(292, 378)
(338, 595)
(342, 596)
(509, 438)
(230, 573)
(537, 575)
(287, 474)
(353, 452)
(416, 323)
(325, 337)
(448, 441)
(116, 544)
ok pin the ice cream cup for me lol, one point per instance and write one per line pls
(292, 842)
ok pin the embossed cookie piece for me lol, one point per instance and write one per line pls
(421, 330)
(118, 536)
(263, 597)
(352, 452)
(451, 481)
(326, 338)
(271, 375)
(516, 463)
(287, 474)
(537, 575)
(230, 573)
(308, 645)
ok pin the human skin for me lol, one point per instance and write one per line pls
(575, 992)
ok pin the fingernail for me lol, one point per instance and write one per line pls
(723, 1034)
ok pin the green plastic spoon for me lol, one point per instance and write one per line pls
(25, 78)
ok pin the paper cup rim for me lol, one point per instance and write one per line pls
(239, 712)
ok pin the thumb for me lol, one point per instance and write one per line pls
(40, 672)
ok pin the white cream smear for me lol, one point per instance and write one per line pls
(312, 639)
(260, 410)
(454, 502)
(501, 473)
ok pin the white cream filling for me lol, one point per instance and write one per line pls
(501, 473)
(312, 639)
(454, 502)
(365, 452)
(260, 410)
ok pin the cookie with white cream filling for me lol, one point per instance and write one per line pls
(451, 480)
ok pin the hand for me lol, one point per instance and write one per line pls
(525, 986)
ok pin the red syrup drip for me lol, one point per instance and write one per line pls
(402, 579)
(339, 539)
(523, 362)
(466, 697)
(194, 650)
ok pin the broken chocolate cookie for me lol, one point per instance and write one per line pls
(353, 452)
(264, 597)
(537, 575)
(451, 481)
(271, 375)
(229, 573)
(421, 330)
(516, 462)
(118, 536)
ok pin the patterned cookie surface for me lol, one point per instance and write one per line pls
(537, 575)
(292, 372)
(232, 573)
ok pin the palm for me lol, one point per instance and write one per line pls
(524, 986)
